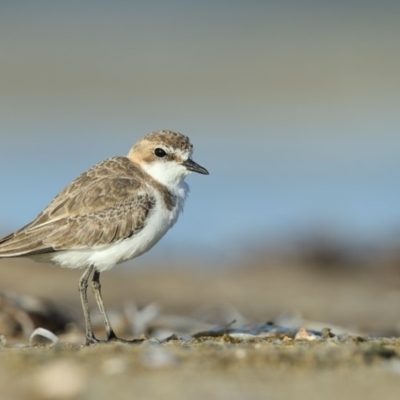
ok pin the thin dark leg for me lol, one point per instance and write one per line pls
(83, 284)
(111, 336)
(96, 287)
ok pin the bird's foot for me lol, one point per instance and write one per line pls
(91, 339)
(112, 337)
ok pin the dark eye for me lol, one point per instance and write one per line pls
(160, 152)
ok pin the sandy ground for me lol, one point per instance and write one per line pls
(355, 303)
(212, 369)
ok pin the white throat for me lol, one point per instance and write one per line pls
(170, 174)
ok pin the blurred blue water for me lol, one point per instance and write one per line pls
(268, 177)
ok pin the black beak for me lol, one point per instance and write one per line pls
(194, 167)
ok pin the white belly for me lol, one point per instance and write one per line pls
(105, 257)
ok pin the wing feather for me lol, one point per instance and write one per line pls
(105, 204)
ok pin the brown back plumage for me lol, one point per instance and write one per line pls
(108, 203)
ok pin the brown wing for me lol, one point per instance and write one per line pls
(105, 204)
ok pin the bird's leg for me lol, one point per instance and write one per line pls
(83, 284)
(111, 336)
(96, 287)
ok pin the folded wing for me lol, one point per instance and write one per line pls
(105, 204)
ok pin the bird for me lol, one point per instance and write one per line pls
(115, 211)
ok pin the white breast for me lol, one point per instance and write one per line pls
(160, 220)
